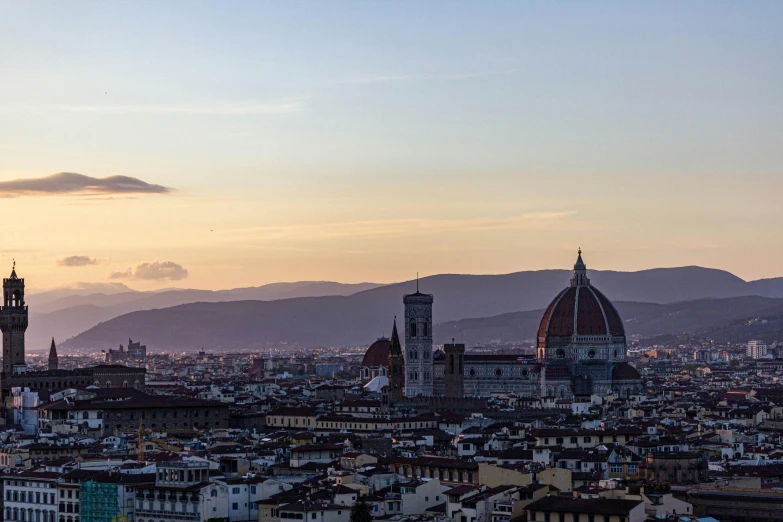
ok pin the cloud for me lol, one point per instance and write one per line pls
(550, 220)
(424, 77)
(154, 271)
(77, 261)
(79, 184)
(286, 106)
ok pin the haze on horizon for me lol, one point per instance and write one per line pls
(218, 145)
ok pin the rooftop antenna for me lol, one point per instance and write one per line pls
(417, 280)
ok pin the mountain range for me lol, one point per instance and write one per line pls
(237, 319)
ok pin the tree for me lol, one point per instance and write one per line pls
(360, 512)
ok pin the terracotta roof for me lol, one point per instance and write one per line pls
(377, 354)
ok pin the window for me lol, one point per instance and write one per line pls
(587, 439)
(573, 440)
(235, 506)
(235, 491)
(253, 490)
(312, 516)
(616, 468)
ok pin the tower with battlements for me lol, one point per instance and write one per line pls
(13, 324)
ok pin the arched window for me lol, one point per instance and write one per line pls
(136, 384)
(85, 415)
(108, 384)
(124, 384)
(413, 328)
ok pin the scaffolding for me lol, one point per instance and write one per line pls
(98, 501)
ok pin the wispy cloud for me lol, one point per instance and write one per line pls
(78, 184)
(72, 261)
(413, 77)
(153, 271)
(408, 227)
(286, 106)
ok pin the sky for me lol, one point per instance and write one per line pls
(227, 144)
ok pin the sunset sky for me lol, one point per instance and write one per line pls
(366, 141)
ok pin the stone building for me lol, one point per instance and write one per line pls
(581, 351)
(13, 323)
(418, 344)
(113, 415)
(453, 373)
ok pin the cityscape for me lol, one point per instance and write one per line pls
(363, 261)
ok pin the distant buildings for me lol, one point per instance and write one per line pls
(756, 349)
(135, 352)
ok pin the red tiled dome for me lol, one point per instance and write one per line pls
(625, 372)
(583, 308)
(377, 354)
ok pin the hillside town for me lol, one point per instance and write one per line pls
(586, 426)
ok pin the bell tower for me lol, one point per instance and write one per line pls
(13, 323)
(418, 344)
(396, 368)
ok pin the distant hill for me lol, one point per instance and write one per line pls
(62, 315)
(360, 318)
(641, 319)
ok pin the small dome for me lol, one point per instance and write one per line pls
(625, 372)
(377, 354)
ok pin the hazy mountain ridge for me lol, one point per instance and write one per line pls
(330, 321)
(697, 317)
(361, 317)
(68, 316)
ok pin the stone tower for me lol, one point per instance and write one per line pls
(13, 324)
(53, 365)
(453, 374)
(396, 368)
(418, 344)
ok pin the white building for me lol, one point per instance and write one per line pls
(181, 491)
(31, 496)
(756, 349)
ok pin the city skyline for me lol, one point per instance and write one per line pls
(355, 142)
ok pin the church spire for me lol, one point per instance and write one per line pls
(580, 271)
(396, 347)
(53, 363)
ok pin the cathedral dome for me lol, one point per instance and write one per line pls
(625, 372)
(377, 354)
(581, 315)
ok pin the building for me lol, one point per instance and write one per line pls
(453, 373)
(53, 362)
(13, 323)
(581, 351)
(135, 352)
(121, 412)
(552, 508)
(418, 344)
(756, 349)
(396, 362)
(30, 496)
(181, 492)
(376, 360)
